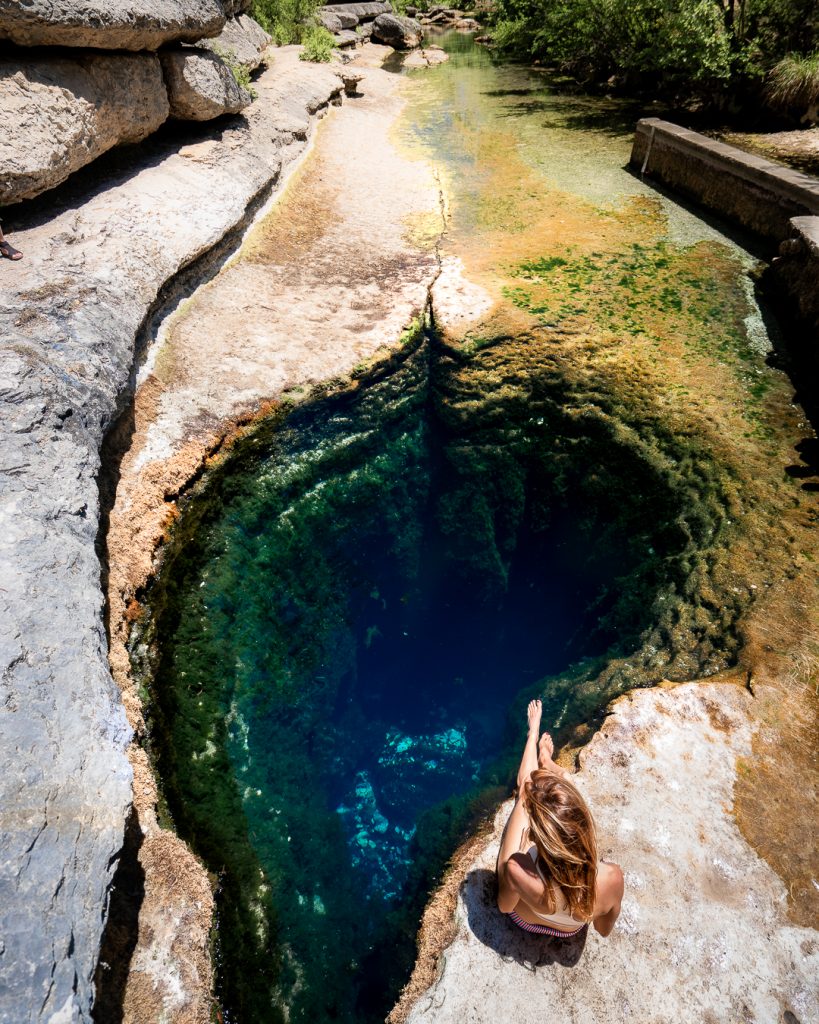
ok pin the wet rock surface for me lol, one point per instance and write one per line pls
(70, 316)
(201, 86)
(427, 57)
(109, 24)
(59, 113)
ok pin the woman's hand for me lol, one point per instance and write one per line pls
(528, 763)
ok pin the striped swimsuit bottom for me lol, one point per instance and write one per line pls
(542, 929)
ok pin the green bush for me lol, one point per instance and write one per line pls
(318, 45)
(400, 6)
(683, 48)
(285, 20)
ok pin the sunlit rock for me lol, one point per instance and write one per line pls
(201, 86)
(59, 113)
(110, 24)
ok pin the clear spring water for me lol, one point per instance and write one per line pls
(350, 622)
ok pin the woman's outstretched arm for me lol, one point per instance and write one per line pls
(513, 835)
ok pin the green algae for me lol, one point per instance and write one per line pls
(669, 295)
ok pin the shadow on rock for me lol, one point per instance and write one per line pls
(121, 930)
(497, 932)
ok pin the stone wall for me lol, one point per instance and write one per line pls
(743, 188)
(797, 270)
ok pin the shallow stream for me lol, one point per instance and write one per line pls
(357, 604)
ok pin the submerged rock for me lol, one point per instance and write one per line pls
(394, 30)
(109, 24)
(59, 113)
(428, 57)
(201, 86)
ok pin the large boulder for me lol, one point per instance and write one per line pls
(330, 21)
(233, 8)
(59, 113)
(241, 42)
(109, 24)
(200, 85)
(401, 33)
(362, 11)
(327, 16)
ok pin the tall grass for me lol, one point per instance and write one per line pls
(794, 82)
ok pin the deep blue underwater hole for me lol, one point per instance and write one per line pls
(351, 614)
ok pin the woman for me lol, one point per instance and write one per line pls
(549, 879)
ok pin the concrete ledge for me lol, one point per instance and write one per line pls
(796, 273)
(746, 189)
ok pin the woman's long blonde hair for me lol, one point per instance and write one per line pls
(562, 829)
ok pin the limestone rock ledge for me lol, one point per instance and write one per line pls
(703, 935)
(59, 113)
(201, 86)
(70, 317)
(242, 41)
(109, 24)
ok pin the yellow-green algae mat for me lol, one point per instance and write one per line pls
(556, 256)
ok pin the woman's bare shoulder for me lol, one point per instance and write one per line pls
(609, 880)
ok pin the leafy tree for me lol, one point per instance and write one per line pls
(285, 20)
(709, 48)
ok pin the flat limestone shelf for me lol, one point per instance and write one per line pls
(70, 316)
(704, 933)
